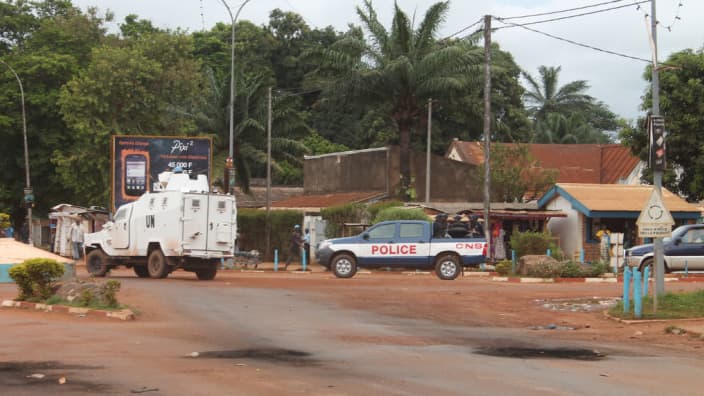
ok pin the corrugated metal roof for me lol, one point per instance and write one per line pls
(327, 200)
(576, 163)
(622, 197)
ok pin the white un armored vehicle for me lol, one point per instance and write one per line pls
(179, 225)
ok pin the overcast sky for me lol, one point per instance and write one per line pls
(615, 80)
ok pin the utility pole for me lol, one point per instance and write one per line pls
(28, 193)
(487, 131)
(657, 173)
(427, 154)
(231, 170)
(268, 175)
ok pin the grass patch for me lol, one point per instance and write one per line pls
(56, 300)
(670, 306)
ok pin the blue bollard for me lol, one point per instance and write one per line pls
(637, 306)
(303, 260)
(626, 289)
(548, 253)
(646, 275)
(513, 261)
(276, 260)
(581, 256)
(686, 269)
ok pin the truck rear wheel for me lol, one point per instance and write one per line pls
(157, 266)
(344, 266)
(97, 263)
(141, 270)
(447, 267)
(207, 273)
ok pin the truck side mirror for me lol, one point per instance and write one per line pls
(365, 236)
(677, 241)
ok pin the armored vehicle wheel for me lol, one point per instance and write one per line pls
(207, 273)
(97, 263)
(447, 267)
(344, 266)
(141, 270)
(157, 266)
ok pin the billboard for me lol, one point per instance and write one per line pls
(138, 160)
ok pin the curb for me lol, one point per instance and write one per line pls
(581, 280)
(124, 314)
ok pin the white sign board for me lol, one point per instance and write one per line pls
(655, 221)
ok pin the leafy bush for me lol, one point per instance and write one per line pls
(525, 243)
(35, 278)
(375, 208)
(599, 268)
(336, 216)
(86, 298)
(504, 267)
(401, 214)
(571, 269)
(109, 290)
(4, 221)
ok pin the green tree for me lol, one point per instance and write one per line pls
(142, 86)
(682, 106)
(399, 69)
(47, 43)
(515, 174)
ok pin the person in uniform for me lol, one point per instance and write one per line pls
(440, 226)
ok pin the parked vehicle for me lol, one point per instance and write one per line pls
(180, 225)
(401, 244)
(684, 248)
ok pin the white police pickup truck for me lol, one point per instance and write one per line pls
(404, 243)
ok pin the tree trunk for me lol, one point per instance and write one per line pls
(404, 135)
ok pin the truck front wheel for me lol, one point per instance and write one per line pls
(343, 266)
(97, 263)
(157, 265)
(447, 267)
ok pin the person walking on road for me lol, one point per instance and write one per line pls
(295, 245)
(76, 237)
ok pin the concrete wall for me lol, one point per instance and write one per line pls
(378, 170)
(364, 170)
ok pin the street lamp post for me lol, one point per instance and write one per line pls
(28, 185)
(230, 183)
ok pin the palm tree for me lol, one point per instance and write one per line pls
(250, 130)
(545, 97)
(399, 70)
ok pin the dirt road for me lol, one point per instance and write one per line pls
(380, 334)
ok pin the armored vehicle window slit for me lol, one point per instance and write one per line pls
(196, 204)
(221, 205)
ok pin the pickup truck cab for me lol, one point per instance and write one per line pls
(685, 248)
(405, 243)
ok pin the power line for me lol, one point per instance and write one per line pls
(464, 29)
(566, 10)
(574, 15)
(575, 42)
(676, 18)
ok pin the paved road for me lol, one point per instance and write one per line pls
(273, 341)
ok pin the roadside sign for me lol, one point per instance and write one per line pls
(655, 221)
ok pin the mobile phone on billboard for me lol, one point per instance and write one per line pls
(135, 175)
